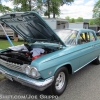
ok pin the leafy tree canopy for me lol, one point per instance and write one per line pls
(4, 8)
(96, 12)
(48, 7)
(79, 19)
(92, 22)
(73, 20)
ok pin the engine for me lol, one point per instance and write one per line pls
(24, 54)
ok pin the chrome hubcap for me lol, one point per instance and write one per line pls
(60, 81)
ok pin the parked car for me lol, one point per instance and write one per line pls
(49, 57)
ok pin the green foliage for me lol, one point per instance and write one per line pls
(73, 20)
(2, 77)
(67, 18)
(51, 6)
(79, 19)
(96, 12)
(18, 9)
(92, 22)
(4, 8)
(55, 7)
(25, 5)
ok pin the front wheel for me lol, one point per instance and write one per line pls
(60, 81)
(97, 60)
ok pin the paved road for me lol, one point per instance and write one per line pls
(83, 85)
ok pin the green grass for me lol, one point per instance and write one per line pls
(5, 44)
(2, 77)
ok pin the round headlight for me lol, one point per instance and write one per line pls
(33, 72)
(27, 70)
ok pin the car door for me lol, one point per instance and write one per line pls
(86, 44)
(96, 47)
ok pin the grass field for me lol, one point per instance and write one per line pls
(2, 77)
(5, 44)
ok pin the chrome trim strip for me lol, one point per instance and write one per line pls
(84, 65)
(25, 80)
(36, 84)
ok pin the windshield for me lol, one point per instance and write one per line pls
(67, 36)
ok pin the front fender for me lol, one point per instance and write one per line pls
(48, 64)
(49, 72)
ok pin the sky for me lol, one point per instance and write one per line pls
(79, 8)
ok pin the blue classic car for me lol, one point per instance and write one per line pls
(48, 57)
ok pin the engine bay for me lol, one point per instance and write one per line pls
(26, 54)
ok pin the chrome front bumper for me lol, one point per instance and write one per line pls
(39, 84)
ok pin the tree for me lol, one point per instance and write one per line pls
(67, 18)
(72, 20)
(96, 12)
(55, 7)
(79, 19)
(51, 6)
(18, 9)
(25, 5)
(4, 8)
(92, 22)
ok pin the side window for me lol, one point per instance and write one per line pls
(92, 38)
(83, 38)
(86, 37)
(71, 39)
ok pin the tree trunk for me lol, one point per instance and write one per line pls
(53, 10)
(48, 4)
(30, 7)
(53, 13)
(25, 7)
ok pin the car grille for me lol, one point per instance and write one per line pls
(12, 66)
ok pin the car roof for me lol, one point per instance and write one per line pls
(80, 30)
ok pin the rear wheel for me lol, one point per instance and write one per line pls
(97, 60)
(60, 81)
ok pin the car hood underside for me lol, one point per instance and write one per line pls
(31, 27)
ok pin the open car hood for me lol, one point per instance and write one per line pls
(31, 27)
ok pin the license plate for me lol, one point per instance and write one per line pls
(9, 77)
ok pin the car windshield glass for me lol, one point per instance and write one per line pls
(67, 36)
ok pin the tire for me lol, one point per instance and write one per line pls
(97, 60)
(60, 82)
